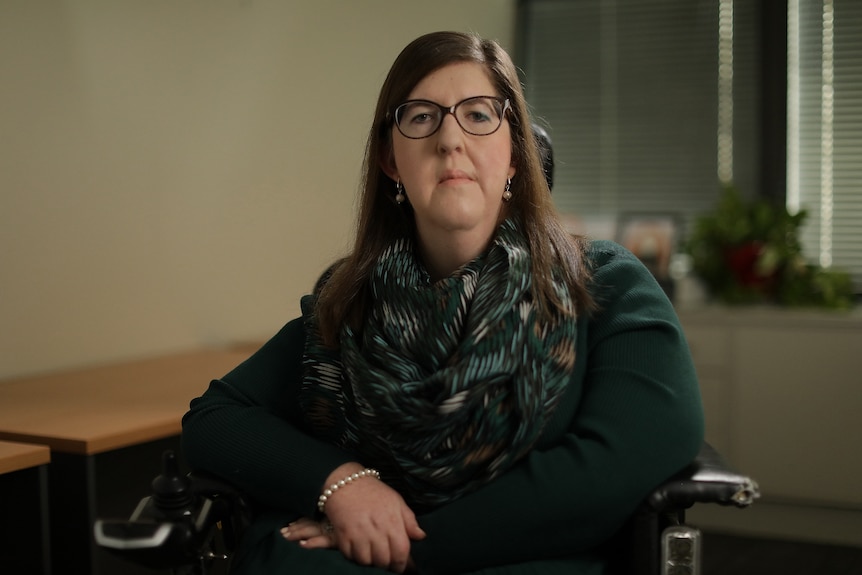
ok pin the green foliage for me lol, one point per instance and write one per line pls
(748, 251)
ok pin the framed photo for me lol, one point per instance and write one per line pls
(652, 237)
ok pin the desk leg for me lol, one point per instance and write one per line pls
(24, 531)
(72, 501)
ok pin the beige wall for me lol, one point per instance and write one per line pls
(176, 174)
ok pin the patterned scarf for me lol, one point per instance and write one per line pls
(448, 384)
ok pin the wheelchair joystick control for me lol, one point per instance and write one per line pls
(171, 490)
(168, 529)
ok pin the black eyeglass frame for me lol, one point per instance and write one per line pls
(504, 104)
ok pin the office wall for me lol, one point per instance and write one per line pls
(177, 173)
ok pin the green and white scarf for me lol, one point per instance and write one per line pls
(449, 383)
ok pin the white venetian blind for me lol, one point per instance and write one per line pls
(630, 91)
(824, 172)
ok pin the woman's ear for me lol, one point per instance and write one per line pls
(387, 164)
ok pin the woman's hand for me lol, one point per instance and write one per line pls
(370, 523)
(311, 534)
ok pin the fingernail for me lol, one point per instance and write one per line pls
(303, 542)
(285, 531)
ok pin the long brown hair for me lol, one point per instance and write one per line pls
(343, 298)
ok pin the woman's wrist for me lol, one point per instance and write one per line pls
(342, 477)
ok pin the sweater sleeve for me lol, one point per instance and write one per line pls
(638, 419)
(241, 429)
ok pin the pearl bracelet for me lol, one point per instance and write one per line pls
(327, 493)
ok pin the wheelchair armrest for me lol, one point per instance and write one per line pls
(208, 485)
(234, 510)
(707, 479)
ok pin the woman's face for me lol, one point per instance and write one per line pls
(453, 180)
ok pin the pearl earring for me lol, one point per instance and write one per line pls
(399, 196)
(507, 193)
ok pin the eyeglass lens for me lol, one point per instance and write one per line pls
(479, 116)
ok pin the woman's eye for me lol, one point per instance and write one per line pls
(421, 118)
(420, 114)
(478, 117)
(478, 111)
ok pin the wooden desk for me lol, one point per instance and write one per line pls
(107, 427)
(20, 456)
(24, 530)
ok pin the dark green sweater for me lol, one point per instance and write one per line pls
(631, 416)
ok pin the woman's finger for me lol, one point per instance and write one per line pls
(304, 530)
(300, 529)
(318, 542)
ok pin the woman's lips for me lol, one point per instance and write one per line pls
(454, 175)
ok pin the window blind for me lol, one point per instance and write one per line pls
(629, 92)
(824, 172)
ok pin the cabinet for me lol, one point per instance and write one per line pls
(782, 393)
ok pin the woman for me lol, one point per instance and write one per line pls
(482, 392)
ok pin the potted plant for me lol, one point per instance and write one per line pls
(748, 251)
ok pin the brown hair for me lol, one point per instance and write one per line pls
(381, 221)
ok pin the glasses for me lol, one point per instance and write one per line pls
(479, 116)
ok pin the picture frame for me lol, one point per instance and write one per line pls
(652, 238)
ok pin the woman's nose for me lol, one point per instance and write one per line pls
(450, 136)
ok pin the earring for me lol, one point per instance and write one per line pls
(399, 196)
(507, 193)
